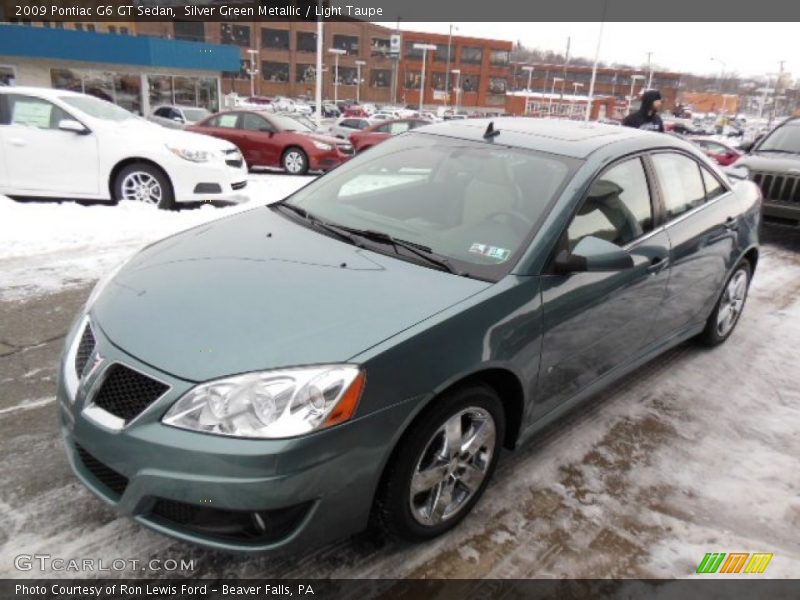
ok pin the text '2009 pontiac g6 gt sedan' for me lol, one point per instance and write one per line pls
(365, 348)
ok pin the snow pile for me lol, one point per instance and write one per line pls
(47, 246)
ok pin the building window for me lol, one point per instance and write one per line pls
(46, 24)
(411, 52)
(78, 26)
(469, 83)
(191, 31)
(112, 29)
(123, 30)
(471, 55)
(128, 92)
(277, 72)
(441, 54)
(499, 57)
(347, 75)
(235, 34)
(7, 75)
(380, 78)
(59, 25)
(380, 46)
(276, 39)
(348, 43)
(438, 81)
(305, 73)
(160, 89)
(497, 85)
(90, 27)
(306, 41)
(412, 80)
(244, 66)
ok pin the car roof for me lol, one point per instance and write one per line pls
(576, 139)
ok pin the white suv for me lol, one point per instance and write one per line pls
(60, 144)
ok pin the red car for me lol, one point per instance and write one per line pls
(723, 154)
(375, 134)
(276, 141)
(356, 111)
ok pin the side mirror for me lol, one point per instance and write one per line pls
(593, 254)
(267, 130)
(73, 126)
(748, 147)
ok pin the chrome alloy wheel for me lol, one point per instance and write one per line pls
(453, 466)
(294, 161)
(141, 186)
(730, 306)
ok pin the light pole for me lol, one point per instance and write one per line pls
(457, 89)
(447, 68)
(424, 48)
(337, 52)
(552, 93)
(253, 70)
(650, 72)
(530, 76)
(575, 86)
(318, 75)
(359, 64)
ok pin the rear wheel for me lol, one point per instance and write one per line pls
(442, 465)
(295, 161)
(141, 182)
(729, 307)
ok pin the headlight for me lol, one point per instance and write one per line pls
(322, 145)
(271, 404)
(192, 154)
(102, 283)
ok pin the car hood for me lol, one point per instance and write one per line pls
(770, 162)
(321, 137)
(258, 291)
(153, 132)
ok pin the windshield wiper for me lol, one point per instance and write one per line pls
(317, 222)
(418, 250)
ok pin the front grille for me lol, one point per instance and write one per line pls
(346, 149)
(239, 185)
(125, 393)
(261, 526)
(85, 349)
(107, 476)
(777, 186)
(235, 159)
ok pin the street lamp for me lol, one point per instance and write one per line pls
(424, 48)
(529, 69)
(650, 71)
(253, 70)
(337, 52)
(359, 64)
(457, 89)
(633, 82)
(447, 68)
(552, 93)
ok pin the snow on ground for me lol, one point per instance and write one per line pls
(47, 246)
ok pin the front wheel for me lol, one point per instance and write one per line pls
(443, 464)
(729, 307)
(295, 161)
(141, 182)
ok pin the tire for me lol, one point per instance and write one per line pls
(142, 182)
(729, 307)
(419, 459)
(295, 161)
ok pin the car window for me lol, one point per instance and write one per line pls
(163, 112)
(713, 187)
(349, 123)
(225, 120)
(617, 207)
(398, 127)
(472, 202)
(382, 129)
(253, 122)
(680, 181)
(415, 124)
(34, 112)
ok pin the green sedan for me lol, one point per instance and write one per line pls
(363, 350)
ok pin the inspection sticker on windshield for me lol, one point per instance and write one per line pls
(499, 254)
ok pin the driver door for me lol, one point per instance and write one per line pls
(595, 322)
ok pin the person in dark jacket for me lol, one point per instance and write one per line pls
(647, 116)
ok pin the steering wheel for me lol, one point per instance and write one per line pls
(513, 219)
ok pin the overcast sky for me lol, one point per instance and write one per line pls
(746, 48)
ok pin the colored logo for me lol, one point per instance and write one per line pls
(734, 562)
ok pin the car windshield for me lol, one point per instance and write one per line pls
(195, 114)
(783, 139)
(474, 203)
(285, 123)
(99, 109)
(308, 123)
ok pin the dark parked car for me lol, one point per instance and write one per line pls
(773, 163)
(368, 345)
(276, 141)
(379, 132)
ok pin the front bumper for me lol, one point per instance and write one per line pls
(208, 489)
(325, 160)
(215, 181)
(781, 213)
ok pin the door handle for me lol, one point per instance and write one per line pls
(731, 224)
(17, 142)
(657, 264)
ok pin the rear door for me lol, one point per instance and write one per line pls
(260, 139)
(701, 216)
(225, 126)
(595, 322)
